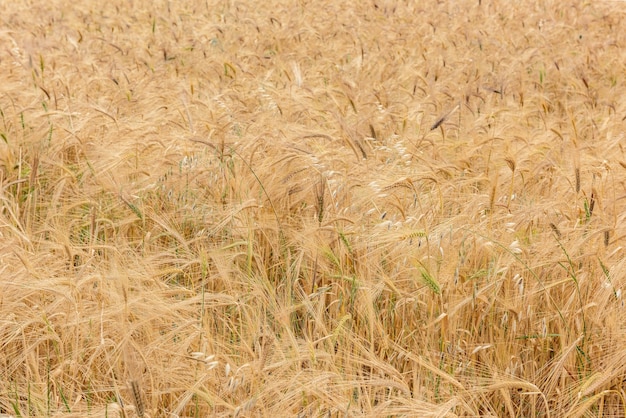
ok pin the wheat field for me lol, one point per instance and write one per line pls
(312, 208)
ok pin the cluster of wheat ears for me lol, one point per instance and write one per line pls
(312, 208)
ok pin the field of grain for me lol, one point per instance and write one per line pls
(312, 208)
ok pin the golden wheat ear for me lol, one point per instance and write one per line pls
(140, 407)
